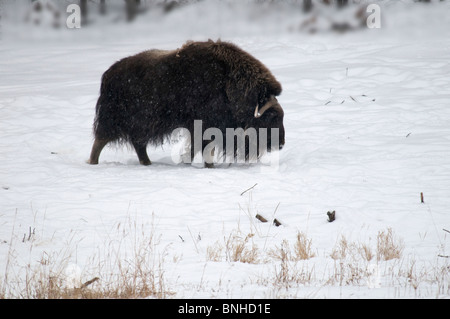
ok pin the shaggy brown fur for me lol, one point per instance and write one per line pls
(143, 98)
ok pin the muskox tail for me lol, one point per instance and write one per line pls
(108, 114)
(104, 126)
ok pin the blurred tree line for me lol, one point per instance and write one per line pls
(130, 9)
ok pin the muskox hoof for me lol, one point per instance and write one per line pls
(146, 163)
(91, 162)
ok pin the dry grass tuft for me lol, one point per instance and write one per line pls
(388, 246)
(235, 248)
(132, 265)
(303, 247)
(129, 267)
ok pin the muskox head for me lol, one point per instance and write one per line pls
(270, 116)
(261, 130)
(258, 109)
(252, 90)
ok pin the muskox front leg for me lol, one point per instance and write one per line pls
(141, 151)
(97, 148)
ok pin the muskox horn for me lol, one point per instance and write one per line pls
(272, 102)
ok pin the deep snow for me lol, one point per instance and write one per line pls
(367, 130)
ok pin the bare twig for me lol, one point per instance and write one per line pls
(448, 231)
(276, 208)
(195, 243)
(89, 282)
(276, 222)
(248, 189)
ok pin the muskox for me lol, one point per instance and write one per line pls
(145, 97)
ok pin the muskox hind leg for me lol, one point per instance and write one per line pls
(97, 148)
(141, 151)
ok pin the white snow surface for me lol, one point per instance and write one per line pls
(367, 119)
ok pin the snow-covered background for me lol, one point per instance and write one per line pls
(367, 119)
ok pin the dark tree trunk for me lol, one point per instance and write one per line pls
(84, 11)
(132, 9)
(307, 5)
(102, 7)
(342, 3)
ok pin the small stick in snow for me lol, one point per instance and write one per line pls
(421, 198)
(248, 189)
(276, 222)
(331, 216)
(448, 231)
(261, 218)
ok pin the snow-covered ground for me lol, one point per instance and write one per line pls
(367, 118)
